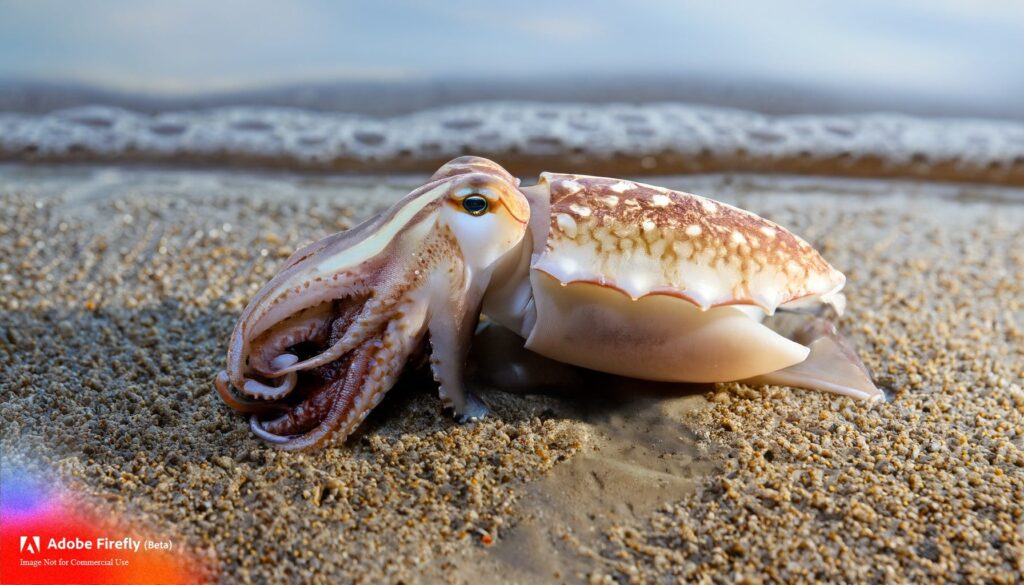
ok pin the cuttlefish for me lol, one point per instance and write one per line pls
(606, 274)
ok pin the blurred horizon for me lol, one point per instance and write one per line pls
(793, 56)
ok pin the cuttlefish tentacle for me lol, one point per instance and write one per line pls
(362, 326)
(223, 386)
(339, 407)
(259, 390)
(271, 357)
(285, 430)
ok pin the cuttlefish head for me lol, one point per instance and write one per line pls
(319, 345)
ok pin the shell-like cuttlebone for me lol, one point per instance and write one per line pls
(642, 240)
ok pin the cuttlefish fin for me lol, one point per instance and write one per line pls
(831, 366)
(451, 335)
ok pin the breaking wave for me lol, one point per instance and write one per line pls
(657, 138)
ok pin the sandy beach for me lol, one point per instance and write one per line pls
(119, 288)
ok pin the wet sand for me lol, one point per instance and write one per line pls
(119, 289)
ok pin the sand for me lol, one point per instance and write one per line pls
(119, 288)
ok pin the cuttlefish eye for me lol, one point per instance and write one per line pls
(475, 204)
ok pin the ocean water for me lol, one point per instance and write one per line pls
(528, 136)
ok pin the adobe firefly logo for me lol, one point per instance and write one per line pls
(29, 544)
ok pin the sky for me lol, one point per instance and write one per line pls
(966, 50)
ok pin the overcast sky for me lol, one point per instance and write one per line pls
(970, 50)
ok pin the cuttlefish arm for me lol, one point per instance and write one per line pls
(318, 347)
(451, 334)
